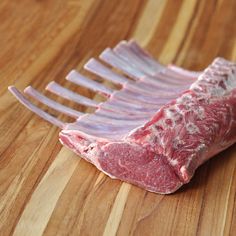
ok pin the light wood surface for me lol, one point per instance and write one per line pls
(45, 189)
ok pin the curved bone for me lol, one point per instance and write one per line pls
(22, 99)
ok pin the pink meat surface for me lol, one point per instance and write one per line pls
(164, 153)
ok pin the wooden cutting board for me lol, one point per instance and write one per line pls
(45, 189)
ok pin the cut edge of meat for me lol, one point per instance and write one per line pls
(119, 160)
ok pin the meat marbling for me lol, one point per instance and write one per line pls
(156, 130)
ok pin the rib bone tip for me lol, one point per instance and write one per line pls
(28, 88)
(49, 85)
(71, 74)
(107, 50)
(90, 62)
(11, 87)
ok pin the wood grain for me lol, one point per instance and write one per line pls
(45, 189)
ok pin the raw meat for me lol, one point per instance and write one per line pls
(156, 130)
